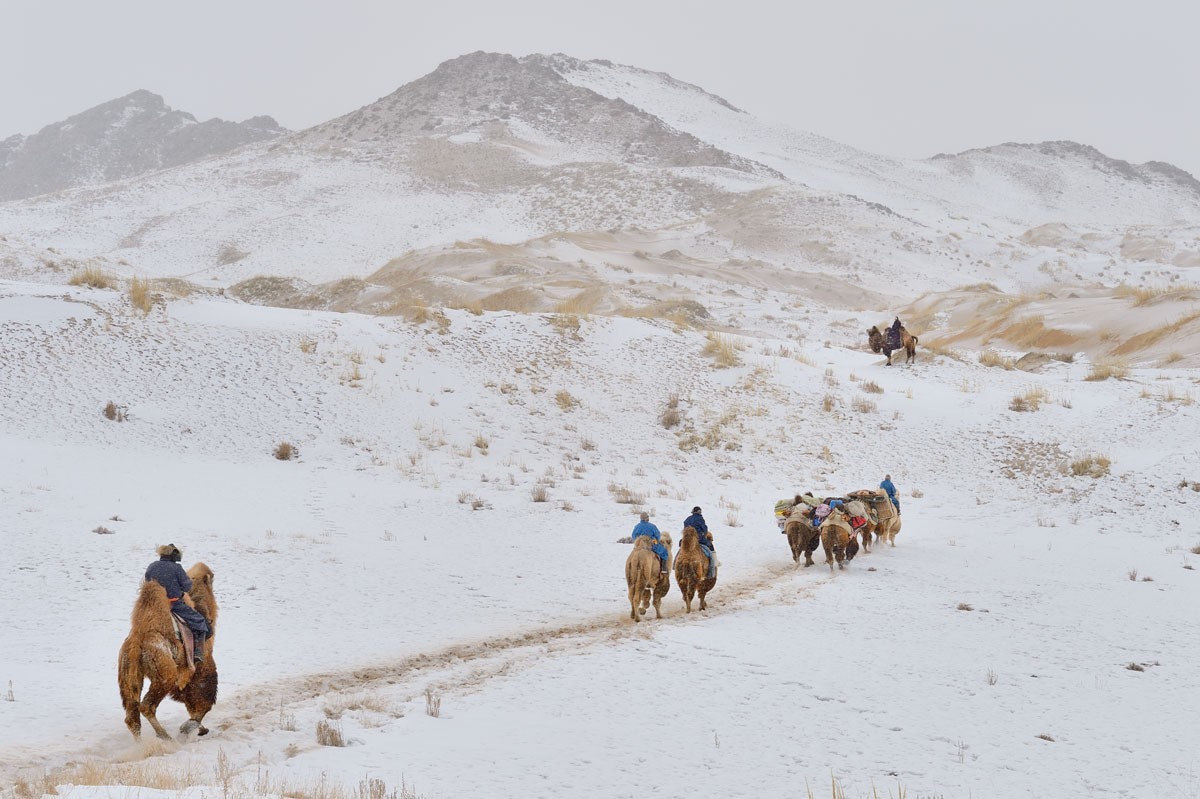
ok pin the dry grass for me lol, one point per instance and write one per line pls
(539, 493)
(863, 405)
(990, 357)
(114, 412)
(1093, 465)
(517, 299)
(286, 451)
(1104, 369)
(1030, 400)
(965, 606)
(92, 276)
(722, 349)
(567, 324)
(433, 703)
(871, 387)
(565, 401)
(1031, 332)
(139, 294)
(583, 303)
(308, 345)
(828, 403)
(329, 733)
(992, 677)
(626, 496)
(482, 443)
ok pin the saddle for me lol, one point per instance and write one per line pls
(183, 634)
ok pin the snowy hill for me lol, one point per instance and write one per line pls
(122, 138)
(437, 578)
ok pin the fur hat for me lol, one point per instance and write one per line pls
(170, 551)
(645, 516)
(696, 509)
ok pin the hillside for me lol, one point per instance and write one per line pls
(449, 534)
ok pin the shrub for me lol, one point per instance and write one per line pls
(1095, 466)
(114, 412)
(1103, 370)
(308, 345)
(538, 493)
(990, 357)
(92, 276)
(722, 349)
(828, 403)
(670, 417)
(329, 733)
(285, 451)
(965, 606)
(482, 443)
(139, 294)
(1136, 667)
(433, 703)
(565, 400)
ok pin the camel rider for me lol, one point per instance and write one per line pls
(703, 537)
(167, 572)
(894, 341)
(890, 488)
(644, 527)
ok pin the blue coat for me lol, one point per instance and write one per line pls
(171, 576)
(646, 528)
(696, 521)
(887, 486)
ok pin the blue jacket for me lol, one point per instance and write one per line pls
(696, 521)
(646, 528)
(171, 576)
(887, 486)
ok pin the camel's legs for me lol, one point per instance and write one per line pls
(149, 707)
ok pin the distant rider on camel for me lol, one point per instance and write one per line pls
(167, 572)
(893, 335)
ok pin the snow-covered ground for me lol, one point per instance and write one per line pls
(403, 557)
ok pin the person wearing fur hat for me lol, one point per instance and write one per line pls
(890, 489)
(645, 528)
(167, 572)
(703, 537)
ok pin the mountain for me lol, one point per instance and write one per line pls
(122, 138)
(523, 183)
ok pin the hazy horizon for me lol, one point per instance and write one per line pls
(908, 82)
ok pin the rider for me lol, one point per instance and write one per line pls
(644, 527)
(703, 537)
(890, 488)
(894, 334)
(167, 572)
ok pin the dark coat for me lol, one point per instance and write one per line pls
(171, 576)
(696, 522)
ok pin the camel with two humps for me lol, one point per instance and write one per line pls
(879, 343)
(643, 578)
(691, 570)
(152, 652)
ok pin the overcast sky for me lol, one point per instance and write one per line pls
(902, 78)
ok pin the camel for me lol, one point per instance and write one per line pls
(151, 652)
(887, 520)
(801, 536)
(836, 538)
(856, 507)
(691, 570)
(879, 343)
(643, 577)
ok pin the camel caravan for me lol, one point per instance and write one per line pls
(839, 523)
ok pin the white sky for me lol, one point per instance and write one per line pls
(909, 79)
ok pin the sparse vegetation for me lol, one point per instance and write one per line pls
(992, 677)
(139, 294)
(1104, 369)
(308, 345)
(433, 703)
(1030, 400)
(828, 403)
(626, 496)
(286, 451)
(871, 387)
(965, 606)
(1095, 466)
(1132, 574)
(722, 349)
(1135, 667)
(539, 493)
(565, 401)
(990, 357)
(92, 276)
(115, 413)
(329, 733)
(863, 405)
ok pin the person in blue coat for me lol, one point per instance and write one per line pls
(644, 527)
(704, 537)
(167, 572)
(890, 488)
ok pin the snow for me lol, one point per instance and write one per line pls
(356, 578)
